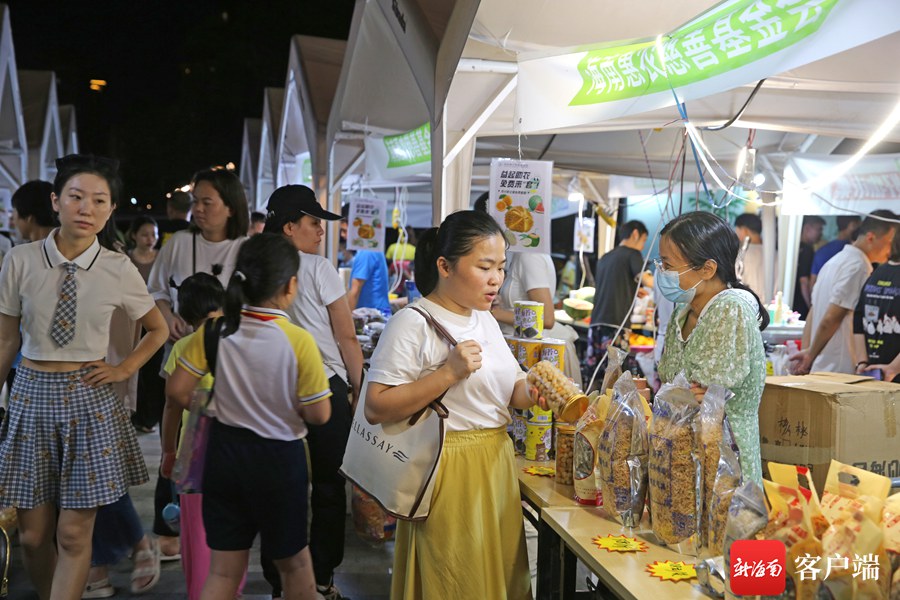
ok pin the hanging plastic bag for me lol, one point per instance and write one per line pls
(622, 455)
(676, 467)
(614, 364)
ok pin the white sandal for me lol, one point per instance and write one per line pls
(151, 571)
(98, 589)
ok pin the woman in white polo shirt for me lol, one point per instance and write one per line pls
(473, 544)
(68, 445)
(219, 227)
(321, 308)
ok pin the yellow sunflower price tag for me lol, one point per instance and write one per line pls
(672, 571)
(540, 471)
(619, 543)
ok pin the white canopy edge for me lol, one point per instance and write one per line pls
(273, 101)
(69, 126)
(13, 140)
(42, 128)
(250, 144)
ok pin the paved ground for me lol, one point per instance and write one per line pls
(364, 575)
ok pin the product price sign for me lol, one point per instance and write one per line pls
(672, 570)
(366, 224)
(520, 196)
(585, 232)
(619, 543)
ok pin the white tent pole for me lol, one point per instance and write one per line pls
(483, 115)
(769, 215)
(438, 171)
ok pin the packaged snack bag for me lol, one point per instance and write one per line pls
(853, 504)
(747, 516)
(712, 417)
(622, 454)
(587, 436)
(372, 524)
(676, 467)
(616, 357)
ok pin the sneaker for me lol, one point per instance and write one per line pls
(329, 592)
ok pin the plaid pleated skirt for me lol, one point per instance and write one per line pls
(67, 443)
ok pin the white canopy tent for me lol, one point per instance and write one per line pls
(13, 141)
(273, 101)
(250, 158)
(810, 107)
(314, 68)
(42, 126)
(69, 127)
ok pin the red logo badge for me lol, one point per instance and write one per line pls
(757, 567)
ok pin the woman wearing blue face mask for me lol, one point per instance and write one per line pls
(714, 335)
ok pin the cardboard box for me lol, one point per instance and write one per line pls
(811, 419)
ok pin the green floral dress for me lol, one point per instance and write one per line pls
(725, 348)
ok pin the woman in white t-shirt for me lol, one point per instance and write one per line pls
(472, 545)
(321, 308)
(219, 226)
(67, 443)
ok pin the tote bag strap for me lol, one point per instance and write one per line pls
(437, 406)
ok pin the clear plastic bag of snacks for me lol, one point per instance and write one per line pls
(616, 357)
(566, 401)
(676, 467)
(622, 455)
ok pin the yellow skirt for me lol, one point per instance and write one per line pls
(473, 543)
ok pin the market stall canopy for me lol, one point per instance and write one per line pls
(401, 57)
(42, 128)
(846, 93)
(69, 128)
(250, 158)
(13, 141)
(314, 68)
(273, 101)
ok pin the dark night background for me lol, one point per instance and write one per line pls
(181, 75)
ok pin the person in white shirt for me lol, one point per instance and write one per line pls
(68, 445)
(321, 308)
(219, 226)
(750, 268)
(473, 543)
(210, 245)
(830, 321)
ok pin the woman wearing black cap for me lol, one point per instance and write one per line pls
(321, 308)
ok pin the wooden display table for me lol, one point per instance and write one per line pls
(622, 574)
(541, 493)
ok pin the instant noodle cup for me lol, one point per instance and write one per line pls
(554, 352)
(538, 439)
(513, 344)
(566, 401)
(529, 319)
(565, 452)
(529, 352)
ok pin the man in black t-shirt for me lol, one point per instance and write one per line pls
(876, 328)
(616, 280)
(810, 235)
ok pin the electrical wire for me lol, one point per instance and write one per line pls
(740, 112)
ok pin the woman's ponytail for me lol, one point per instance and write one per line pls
(425, 264)
(763, 316)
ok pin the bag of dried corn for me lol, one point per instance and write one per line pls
(676, 467)
(715, 508)
(622, 453)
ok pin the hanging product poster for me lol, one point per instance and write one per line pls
(520, 195)
(366, 224)
(398, 156)
(585, 232)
